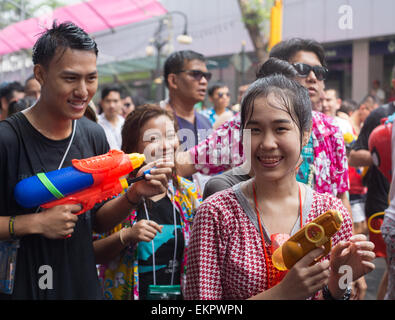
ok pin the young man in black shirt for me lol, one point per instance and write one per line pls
(48, 136)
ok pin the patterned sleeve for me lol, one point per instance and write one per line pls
(203, 266)
(221, 150)
(330, 160)
(340, 163)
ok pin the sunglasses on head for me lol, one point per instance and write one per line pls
(197, 74)
(221, 94)
(304, 69)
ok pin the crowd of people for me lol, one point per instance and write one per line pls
(226, 184)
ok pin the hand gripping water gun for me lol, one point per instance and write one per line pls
(313, 235)
(87, 182)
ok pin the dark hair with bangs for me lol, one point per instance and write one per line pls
(293, 96)
(131, 130)
(63, 36)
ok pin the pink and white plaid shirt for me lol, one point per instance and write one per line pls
(226, 256)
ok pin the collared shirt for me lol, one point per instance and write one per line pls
(113, 134)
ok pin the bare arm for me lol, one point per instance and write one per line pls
(54, 223)
(116, 210)
(360, 158)
(108, 248)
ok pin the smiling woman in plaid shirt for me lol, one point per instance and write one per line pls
(230, 246)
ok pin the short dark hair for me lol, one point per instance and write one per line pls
(20, 105)
(175, 62)
(293, 96)
(8, 90)
(367, 97)
(215, 86)
(348, 106)
(286, 49)
(63, 36)
(337, 96)
(106, 90)
(276, 66)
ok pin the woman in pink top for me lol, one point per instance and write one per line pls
(230, 246)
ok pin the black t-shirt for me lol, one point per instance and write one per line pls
(162, 213)
(224, 181)
(378, 185)
(23, 153)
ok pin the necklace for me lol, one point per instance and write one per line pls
(273, 276)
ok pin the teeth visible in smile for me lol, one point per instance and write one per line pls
(269, 160)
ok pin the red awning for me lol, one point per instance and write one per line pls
(92, 16)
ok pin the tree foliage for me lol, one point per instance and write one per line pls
(12, 11)
(256, 18)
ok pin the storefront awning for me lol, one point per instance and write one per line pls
(92, 16)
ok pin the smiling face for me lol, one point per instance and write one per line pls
(68, 83)
(158, 139)
(311, 83)
(275, 139)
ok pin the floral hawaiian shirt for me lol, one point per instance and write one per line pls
(223, 149)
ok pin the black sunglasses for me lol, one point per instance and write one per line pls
(304, 69)
(197, 74)
(221, 94)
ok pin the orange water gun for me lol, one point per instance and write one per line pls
(87, 182)
(313, 235)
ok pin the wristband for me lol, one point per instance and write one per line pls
(121, 237)
(11, 227)
(327, 295)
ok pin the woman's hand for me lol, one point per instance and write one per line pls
(154, 183)
(357, 254)
(143, 230)
(304, 279)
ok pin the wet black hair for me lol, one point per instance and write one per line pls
(61, 37)
(175, 62)
(276, 66)
(291, 95)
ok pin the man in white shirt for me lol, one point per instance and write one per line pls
(110, 119)
(331, 104)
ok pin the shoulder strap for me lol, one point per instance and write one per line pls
(15, 121)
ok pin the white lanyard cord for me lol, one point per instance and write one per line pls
(175, 239)
(66, 152)
(70, 143)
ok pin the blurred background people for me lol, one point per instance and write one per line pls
(110, 118)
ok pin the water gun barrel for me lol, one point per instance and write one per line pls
(41, 188)
(313, 235)
(97, 173)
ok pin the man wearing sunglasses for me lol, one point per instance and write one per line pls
(186, 77)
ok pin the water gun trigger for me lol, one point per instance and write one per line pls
(85, 205)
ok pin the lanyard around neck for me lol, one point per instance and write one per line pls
(175, 236)
(267, 262)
